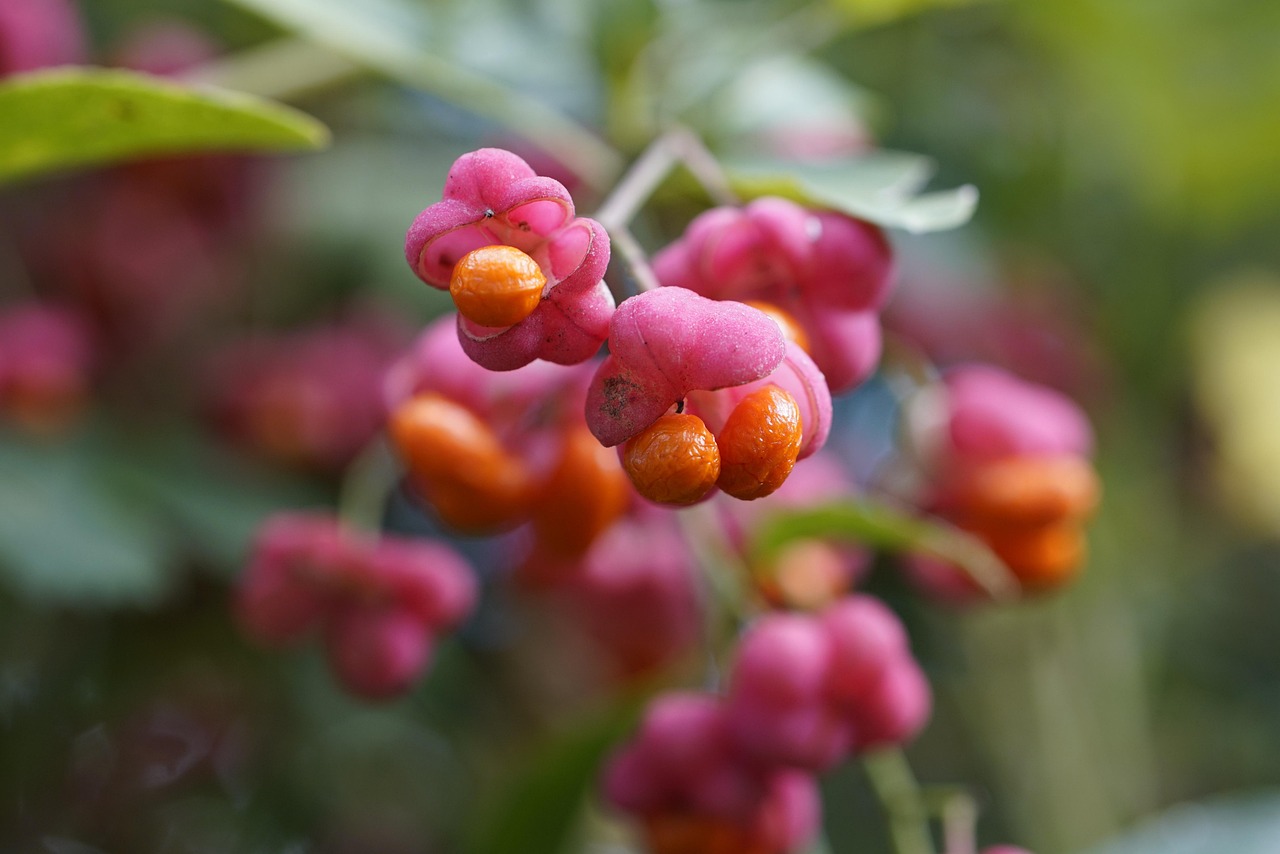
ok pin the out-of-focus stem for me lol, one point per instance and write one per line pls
(637, 261)
(900, 796)
(367, 482)
(287, 69)
(676, 146)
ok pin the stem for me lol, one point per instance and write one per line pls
(900, 796)
(637, 261)
(704, 166)
(723, 571)
(286, 69)
(365, 485)
(677, 146)
(648, 172)
(959, 814)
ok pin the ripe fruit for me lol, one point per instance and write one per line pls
(496, 285)
(585, 494)
(791, 328)
(674, 460)
(759, 443)
(459, 465)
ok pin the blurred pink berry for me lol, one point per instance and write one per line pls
(46, 357)
(1004, 849)
(1006, 460)
(492, 197)
(807, 690)
(829, 272)
(994, 414)
(635, 595)
(39, 33)
(308, 397)
(285, 590)
(692, 790)
(377, 652)
(380, 604)
(429, 580)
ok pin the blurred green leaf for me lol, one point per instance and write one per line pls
(881, 187)
(391, 37)
(215, 499)
(64, 539)
(1239, 824)
(537, 811)
(865, 13)
(880, 526)
(52, 120)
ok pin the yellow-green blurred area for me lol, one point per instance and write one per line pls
(1127, 153)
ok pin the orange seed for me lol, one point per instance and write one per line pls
(759, 443)
(496, 285)
(673, 461)
(458, 464)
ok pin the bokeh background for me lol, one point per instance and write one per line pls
(1124, 250)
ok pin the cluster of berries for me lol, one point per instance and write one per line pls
(701, 387)
(1008, 461)
(380, 605)
(805, 692)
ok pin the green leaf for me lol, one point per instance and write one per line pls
(217, 501)
(52, 120)
(882, 187)
(64, 539)
(537, 811)
(866, 13)
(1239, 824)
(886, 528)
(391, 37)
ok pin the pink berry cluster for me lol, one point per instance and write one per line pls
(380, 605)
(1008, 461)
(805, 692)
(46, 362)
(308, 397)
(770, 298)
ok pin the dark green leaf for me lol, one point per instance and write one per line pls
(537, 811)
(215, 500)
(52, 120)
(888, 529)
(882, 187)
(64, 539)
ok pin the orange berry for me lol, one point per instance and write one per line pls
(459, 465)
(496, 285)
(807, 574)
(585, 494)
(791, 328)
(759, 443)
(1041, 556)
(698, 834)
(1030, 490)
(673, 461)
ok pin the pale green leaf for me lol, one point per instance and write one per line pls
(64, 539)
(865, 13)
(882, 187)
(65, 118)
(1239, 824)
(881, 526)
